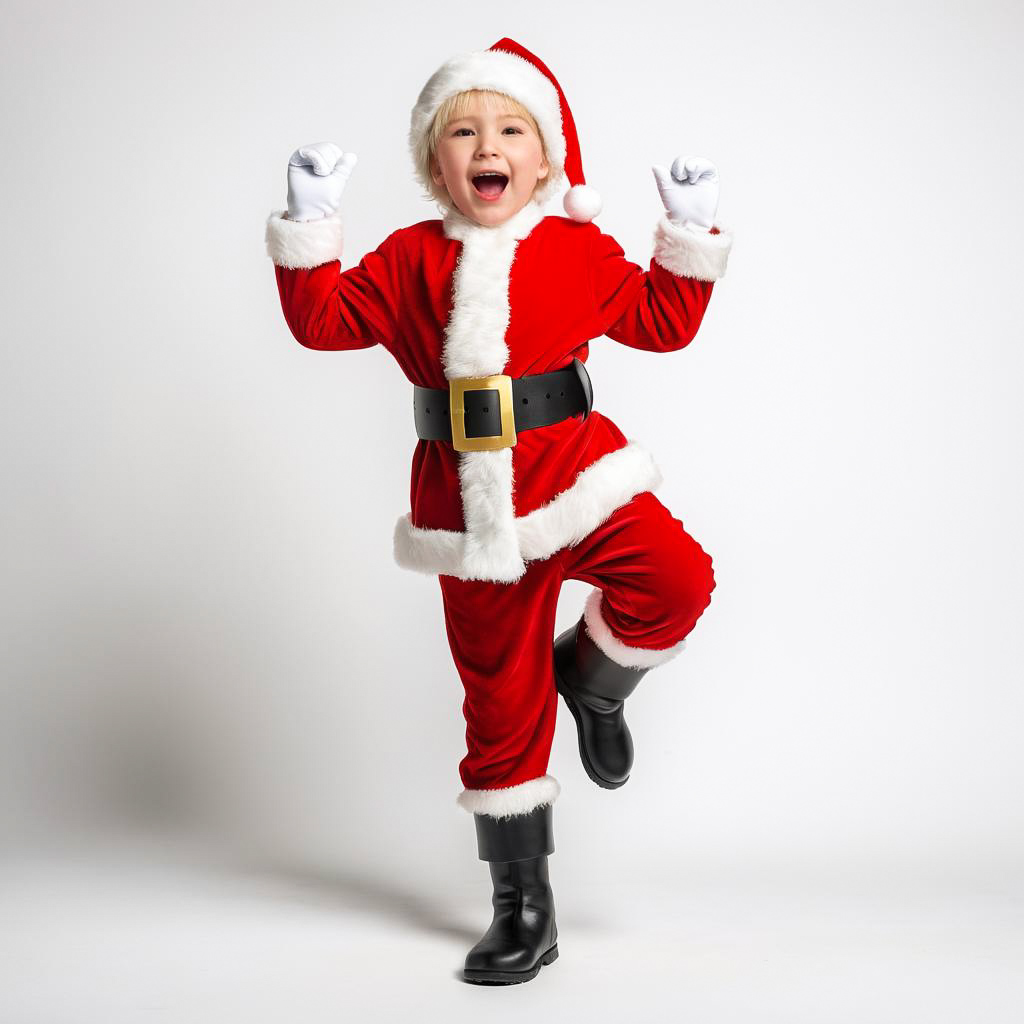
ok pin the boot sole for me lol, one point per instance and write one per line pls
(587, 766)
(512, 977)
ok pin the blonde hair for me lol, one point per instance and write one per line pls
(458, 106)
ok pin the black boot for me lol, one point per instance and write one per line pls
(522, 936)
(595, 687)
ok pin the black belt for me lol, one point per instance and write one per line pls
(488, 412)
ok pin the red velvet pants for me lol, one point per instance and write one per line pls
(652, 580)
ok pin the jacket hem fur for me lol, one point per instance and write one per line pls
(564, 521)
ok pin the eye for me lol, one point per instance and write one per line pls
(510, 128)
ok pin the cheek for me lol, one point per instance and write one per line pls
(452, 165)
(536, 156)
(531, 164)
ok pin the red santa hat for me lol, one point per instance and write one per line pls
(509, 68)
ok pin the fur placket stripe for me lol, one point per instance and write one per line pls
(475, 346)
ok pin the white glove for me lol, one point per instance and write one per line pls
(316, 179)
(690, 192)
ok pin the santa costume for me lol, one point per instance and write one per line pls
(517, 482)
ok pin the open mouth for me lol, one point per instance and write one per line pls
(489, 185)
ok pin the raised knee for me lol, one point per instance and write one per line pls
(691, 578)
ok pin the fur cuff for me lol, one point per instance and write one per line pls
(691, 253)
(504, 803)
(612, 647)
(301, 245)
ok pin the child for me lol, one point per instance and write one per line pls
(516, 484)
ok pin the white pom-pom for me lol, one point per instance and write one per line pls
(582, 203)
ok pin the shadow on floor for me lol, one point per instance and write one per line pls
(349, 890)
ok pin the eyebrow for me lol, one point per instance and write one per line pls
(501, 117)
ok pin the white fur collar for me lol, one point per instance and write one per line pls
(460, 227)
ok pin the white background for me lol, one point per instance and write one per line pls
(213, 671)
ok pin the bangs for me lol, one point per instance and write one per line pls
(461, 103)
(498, 102)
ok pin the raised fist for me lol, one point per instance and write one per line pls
(316, 179)
(690, 191)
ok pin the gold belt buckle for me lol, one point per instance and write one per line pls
(457, 389)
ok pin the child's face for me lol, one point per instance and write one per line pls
(487, 140)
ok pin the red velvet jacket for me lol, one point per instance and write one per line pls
(451, 298)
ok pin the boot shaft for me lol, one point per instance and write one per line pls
(529, 877)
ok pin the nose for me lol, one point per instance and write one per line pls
(487, 146)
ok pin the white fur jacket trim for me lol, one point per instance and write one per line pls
(688, 252)
(302, 245)
(564, 521)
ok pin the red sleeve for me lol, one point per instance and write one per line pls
(658, 310)
(331, 309)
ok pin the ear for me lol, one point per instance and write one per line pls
(542, 171)
(435, 171)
